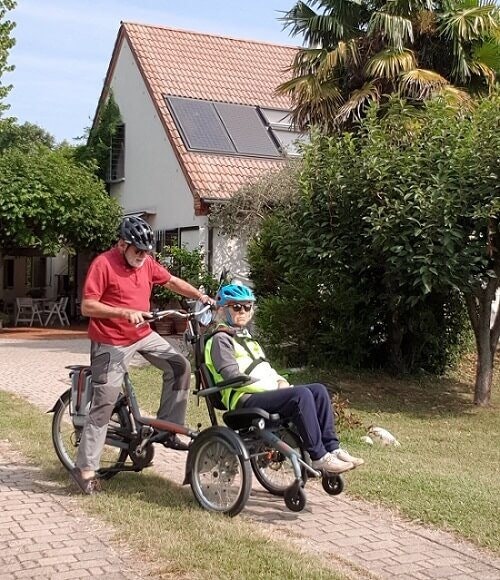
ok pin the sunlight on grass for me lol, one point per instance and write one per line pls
(447, 470)
(160, 520)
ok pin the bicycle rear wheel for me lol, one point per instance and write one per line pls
(66, 438)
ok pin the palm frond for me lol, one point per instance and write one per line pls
(314, 102)
(407, 7)
(307, 61)
(455, 97)
(471, 23)
(357, 103)
(488, 54)
(420, 84)
(390, 63)
(396, 29)
(320, 30)
(344, 55)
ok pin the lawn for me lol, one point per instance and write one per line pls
(160, 522)
(447, 470)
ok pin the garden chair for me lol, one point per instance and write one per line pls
(57, 310)
(27, 311)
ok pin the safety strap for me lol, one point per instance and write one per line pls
(256, 361)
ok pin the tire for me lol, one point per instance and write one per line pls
(66, 438)
(221, 477)
(295, 498)
(333, 484)
(273, 470)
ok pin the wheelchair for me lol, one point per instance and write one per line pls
(222, 458)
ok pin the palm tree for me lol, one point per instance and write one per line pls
(359, 51)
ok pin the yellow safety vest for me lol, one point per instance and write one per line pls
(248, 355)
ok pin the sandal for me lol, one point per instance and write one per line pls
(87, 486)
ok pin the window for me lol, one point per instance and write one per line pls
(8, 273)
(36, 272)
(221, 127)
(166, 238)
(281, 126)
(116, 170)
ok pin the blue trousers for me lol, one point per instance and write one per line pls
(309, 408)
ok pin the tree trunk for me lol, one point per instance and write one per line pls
(395, 335)
(486, 333)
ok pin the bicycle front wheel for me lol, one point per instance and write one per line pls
(66, 438)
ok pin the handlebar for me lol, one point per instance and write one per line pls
(163, 313)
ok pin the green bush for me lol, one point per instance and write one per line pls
(188, 265)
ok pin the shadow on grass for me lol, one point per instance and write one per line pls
(415, 396)
(144, 486)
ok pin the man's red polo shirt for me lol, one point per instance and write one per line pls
(113, 282)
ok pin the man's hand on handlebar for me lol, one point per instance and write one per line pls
(205, 299)
(137, 316)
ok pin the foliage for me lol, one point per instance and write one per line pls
(6, 43)
(49, 202)
(358, 52)
(24, 137)
(392, 224)
(96, 151)
(243, 212)
(188, 265)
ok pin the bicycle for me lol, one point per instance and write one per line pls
(131, 437)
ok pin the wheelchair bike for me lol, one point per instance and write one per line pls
(257, 442)
(220, 459)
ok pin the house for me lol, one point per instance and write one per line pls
(200, 118)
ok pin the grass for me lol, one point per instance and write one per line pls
(161, 520)
(447, 470)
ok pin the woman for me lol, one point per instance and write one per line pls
(231, 351)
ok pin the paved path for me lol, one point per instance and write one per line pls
(45, 535)
(371, 539)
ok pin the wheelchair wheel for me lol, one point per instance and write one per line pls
(221, 478)
(333, 484)
(66, 438)
(272, 469)
(295, 498)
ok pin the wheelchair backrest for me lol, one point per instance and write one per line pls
(203, 375)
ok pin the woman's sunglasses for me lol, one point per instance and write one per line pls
(238, 307)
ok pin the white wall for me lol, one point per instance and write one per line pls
(154, 180)
(229, 253)
(153, 176)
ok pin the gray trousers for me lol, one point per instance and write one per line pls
(109, 364)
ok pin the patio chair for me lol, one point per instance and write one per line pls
(27, 311)
(57, 310)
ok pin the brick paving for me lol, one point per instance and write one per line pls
(369, 540)
(44, 534)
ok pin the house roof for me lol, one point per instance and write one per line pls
(217, 68)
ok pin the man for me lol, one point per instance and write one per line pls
(116, 298)
(232, 352)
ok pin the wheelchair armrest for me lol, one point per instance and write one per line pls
(234, 383)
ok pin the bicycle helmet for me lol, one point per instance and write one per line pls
(134, 230)
(234, 293)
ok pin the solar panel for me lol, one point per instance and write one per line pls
(199, 125)
(246, 129)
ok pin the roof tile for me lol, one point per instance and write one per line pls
(188, 64)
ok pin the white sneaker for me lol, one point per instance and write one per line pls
(332, 464)
(343, 455)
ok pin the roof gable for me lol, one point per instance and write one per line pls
(214, 68)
